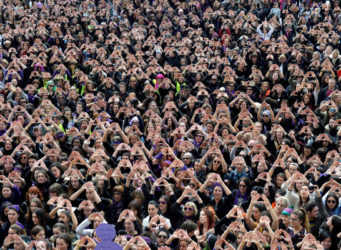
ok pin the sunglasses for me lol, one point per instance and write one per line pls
(162, 236)
(188, 209)
(162, 202)
(215, 161)
(186, 158)
(242, 186)
(198, 136)
(331, 201)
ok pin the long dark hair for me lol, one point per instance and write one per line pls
(40, 213)
(333, 195)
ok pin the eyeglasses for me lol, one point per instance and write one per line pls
(188, 209)
(294, 219)
(162, 236)
(162, 202)
(331, 201)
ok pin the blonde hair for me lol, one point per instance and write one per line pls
(192, 204)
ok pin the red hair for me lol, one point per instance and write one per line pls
(210, 215)
(34, 190)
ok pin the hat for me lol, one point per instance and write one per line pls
(287, 211)
(159, 76)
(134, 119)
(266, 112)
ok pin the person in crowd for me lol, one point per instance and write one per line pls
(183, 124)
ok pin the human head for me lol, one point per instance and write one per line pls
(38, 233)
(190, 209)
(63, 242)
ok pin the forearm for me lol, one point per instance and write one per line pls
(74, 220)
(76, 194)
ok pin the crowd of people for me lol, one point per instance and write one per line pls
(197, 124)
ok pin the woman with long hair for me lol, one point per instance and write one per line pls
(242, 194)
(13, 215)
(205, 223)
(334, 225)
(33, 204)
(332, 204)
(299, 226)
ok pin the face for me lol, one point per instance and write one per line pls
(117, 196)
(304, 192)
(63, 218)
(61, 244)
(280, 205)
(12, 216)
(129, 225)
(183, 245)
(75, 183)
(314, 212)
(6, 192)
(56, 172)
(162, 203)
(89, 194)
(97, 221)
(327, 243)
(216, 164)
(152, 210)
(295, 222)
(239, 238)
(188, 211)
(292, 169)
(56, 231)
(41, 178)
(279, 133)
(12, 232)
(217, 192)
(239, 167)
(40, 235)
(242, 187)
(203, 217)
(33, 206)
(256, 213)
(279, 181)
(267, 236)
(331, 202)
(162, 238)
(199, 137)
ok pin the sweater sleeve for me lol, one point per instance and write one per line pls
(322, 210)
(81, 229)
(16, 195)
(293, 198)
